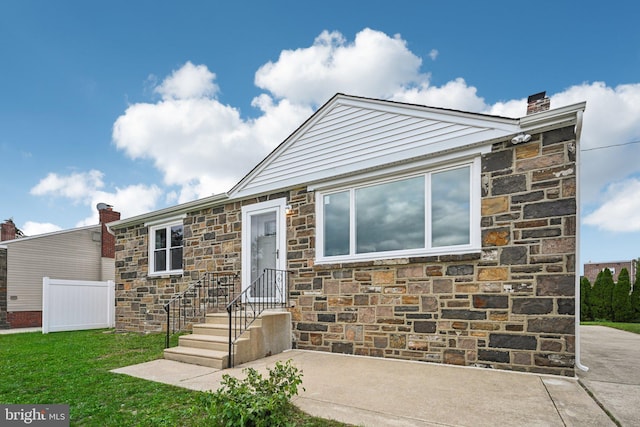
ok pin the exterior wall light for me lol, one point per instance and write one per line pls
(521, 137)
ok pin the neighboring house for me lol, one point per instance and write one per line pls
(411, 232)
(85, 253)
(591, 269)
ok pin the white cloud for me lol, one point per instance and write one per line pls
(31, 228)
(189, 81)
(373, 65)
(86, 188)
(611, 117)
(129, 201)
(75, 186)
(202, 146)
(433, 54)
(621, 209)
(454, 94)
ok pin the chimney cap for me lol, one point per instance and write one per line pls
(536, 97)
(102, 206)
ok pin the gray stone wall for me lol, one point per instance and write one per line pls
(511, 306)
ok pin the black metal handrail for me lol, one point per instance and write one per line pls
(269, 290)
(213, 290)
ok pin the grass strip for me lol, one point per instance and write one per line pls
(73, 368)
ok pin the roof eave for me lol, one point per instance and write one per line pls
(169, 212)
(552, 119)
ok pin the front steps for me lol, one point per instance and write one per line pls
(208, 345)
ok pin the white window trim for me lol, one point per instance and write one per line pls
(154, 225)
(402, 173)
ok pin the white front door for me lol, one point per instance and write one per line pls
(263, 247)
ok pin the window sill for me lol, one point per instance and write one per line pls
(450, 256)
(166, 275)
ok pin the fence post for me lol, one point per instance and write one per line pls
(111, 315)
(45, 305)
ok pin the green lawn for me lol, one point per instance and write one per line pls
(629, 327)
(73, 368)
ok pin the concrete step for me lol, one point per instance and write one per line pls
(208, 342)
(198, 356)
(223, 319)
(216, 329)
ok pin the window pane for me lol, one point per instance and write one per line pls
(176, 258)
(161, 238)
(336, 224)
(390, 216)
(176, 236)
(160, 260)
(450, 207)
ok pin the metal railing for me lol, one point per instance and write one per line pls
(213, 290)
(269, 290)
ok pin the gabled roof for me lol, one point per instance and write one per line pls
(351, 133)
(97, 227)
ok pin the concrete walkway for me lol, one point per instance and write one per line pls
(19, 330)
(613, 358)
(382, 392)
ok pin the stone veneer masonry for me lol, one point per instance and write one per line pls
(510, 306)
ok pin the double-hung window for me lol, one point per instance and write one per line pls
(429, 212)
(165, 248)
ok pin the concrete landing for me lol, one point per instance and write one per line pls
(382, 392)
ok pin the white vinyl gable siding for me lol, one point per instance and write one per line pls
(74, 255)
(350, 135)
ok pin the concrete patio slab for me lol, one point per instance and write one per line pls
(384, 392)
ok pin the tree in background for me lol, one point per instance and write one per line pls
(585, 299)
(607, 293)
(621, 300)
(597, 298)
(635, 295)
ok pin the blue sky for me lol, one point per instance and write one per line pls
(145, 104)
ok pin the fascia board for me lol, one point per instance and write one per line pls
(550, 119)
(169, 212)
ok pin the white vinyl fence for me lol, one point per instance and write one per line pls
(71, 305)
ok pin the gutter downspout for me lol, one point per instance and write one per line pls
(577, 362)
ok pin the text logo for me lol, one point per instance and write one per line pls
(34, 415)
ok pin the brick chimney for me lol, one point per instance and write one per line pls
(107, 214)
(538, 102)
(8, 230)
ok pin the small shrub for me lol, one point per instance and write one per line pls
(256, 401)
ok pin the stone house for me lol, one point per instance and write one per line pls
(411, 232)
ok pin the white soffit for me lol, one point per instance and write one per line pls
(351, 134)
